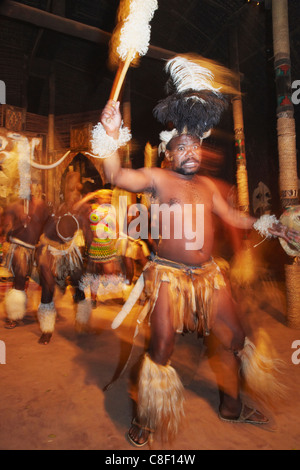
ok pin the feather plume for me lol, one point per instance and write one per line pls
(192, 71)
(188, 75)
(192, 112)
(197, 89)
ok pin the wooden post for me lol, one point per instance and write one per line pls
(288, 179)
(51, 136)
(286, 133)
(239, 134)
(243, 270)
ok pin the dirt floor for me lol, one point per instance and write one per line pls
(52, 396)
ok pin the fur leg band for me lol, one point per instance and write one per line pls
(160, 398)
(15, 304)
(83, 312)
(259, 370)
(47, 315)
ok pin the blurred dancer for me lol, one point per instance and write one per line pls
(103, 270)
(187, 289)
(23, 223)
(59, 258)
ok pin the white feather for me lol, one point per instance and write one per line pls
(187, 74)
(135, 34)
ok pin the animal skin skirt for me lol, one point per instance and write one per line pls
(190, 290)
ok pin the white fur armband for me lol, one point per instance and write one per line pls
(103, 145)
(263, 224)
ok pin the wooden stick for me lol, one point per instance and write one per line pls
(120, 76)
(116, 80)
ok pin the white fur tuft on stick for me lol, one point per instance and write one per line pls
(135, 33)
(134, 37)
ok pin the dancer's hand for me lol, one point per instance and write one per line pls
(111, 118)
(290, 235)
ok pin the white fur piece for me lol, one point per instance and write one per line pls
(102, 284)
(160, 398)
(130, 302)
(83, 313)
(166, 136)
(24, 169)
(187, 74)
(15, 304)
(259, 373)
(47, 315)
(24, 152)
(103, 146)
(264, 223)
(135, 33)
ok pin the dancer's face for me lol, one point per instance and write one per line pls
(185, 154)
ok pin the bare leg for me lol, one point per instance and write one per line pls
(19, 284)
(129, 268)
(160, 349)
(48, 286)
(230, 334)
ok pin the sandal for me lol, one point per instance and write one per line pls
(141, 429)
(45, 338)
(10, 324)
(245, 417)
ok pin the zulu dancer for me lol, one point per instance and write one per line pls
(103, 271)
(59, 257)
(23, 225)
(188, 291)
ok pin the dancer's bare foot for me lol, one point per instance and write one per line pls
(45, 338)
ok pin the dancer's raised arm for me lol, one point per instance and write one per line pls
(126, 178)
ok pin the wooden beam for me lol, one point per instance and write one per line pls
(44, 19)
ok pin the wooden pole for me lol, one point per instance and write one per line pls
(243, 270)
(51, 139)
(120, 76)
(286, 133)
(127, 120)
(239, 134)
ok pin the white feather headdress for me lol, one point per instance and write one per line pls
(197, 89)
